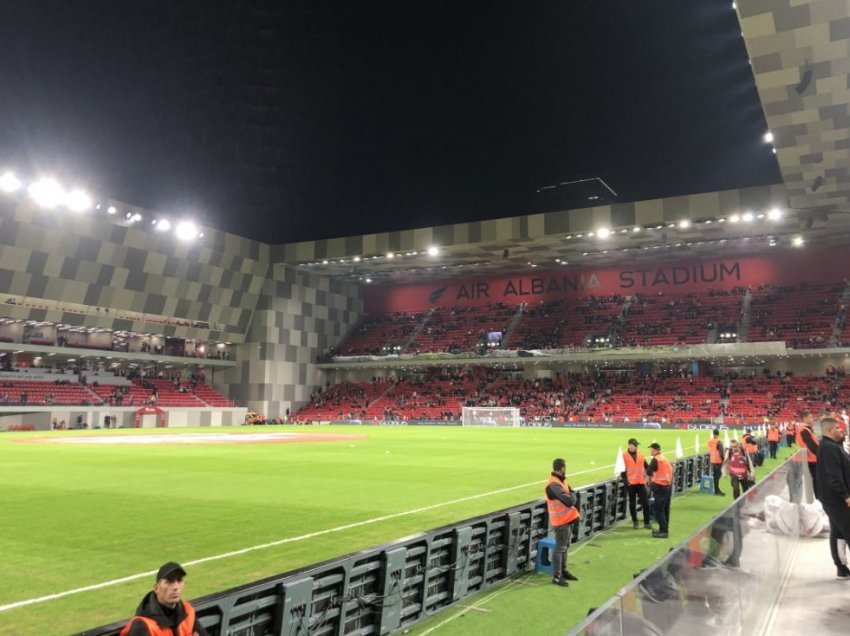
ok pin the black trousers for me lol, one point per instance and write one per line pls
(662, 495)
(738, 485)
(773, 447)
(839, 528)
(813, 470)
(638, 492)
(789, 440)
(717, 471)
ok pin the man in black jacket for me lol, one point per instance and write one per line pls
(162, 609)
(833, 479)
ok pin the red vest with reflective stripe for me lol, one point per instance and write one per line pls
(635, 470)
(559, 513)
(664, 475)
(185, 628)
(738, 465)
(810, 456)
(714, 454)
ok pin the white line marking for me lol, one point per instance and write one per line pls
(272, 544)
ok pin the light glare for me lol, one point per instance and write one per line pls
(9, 182)
(47, 193)
(603, 232)
(186, 231)
(774, 214)
(433, 250)
(78, 201)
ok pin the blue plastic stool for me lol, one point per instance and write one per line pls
(543, 562)
(706, 484)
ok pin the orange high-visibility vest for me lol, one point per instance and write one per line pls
(751, 445)
(635, 469)
(810, 456)
(790, 429)
(664, 475)
(560, 513)
(773, 434)
(185, 628)
(714, 454)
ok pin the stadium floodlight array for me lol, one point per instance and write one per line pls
(490, 416)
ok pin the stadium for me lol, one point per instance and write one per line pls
(352, 435)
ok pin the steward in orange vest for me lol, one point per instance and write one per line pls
(661, 476)
(790, 433)
(162, 612)
(715, 456)
(806, 439)
(773, 439)
(562, 506)
(635, 478)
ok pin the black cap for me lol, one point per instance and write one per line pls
(655, 445)
(634, 441)
(169, 569)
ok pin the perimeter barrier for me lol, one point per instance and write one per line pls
(727, 577)
(390, 587)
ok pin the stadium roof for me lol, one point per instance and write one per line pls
(799, 53)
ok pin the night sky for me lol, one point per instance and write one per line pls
(288, 121)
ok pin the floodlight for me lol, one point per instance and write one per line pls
(636, 228)
(433, 250)
(186, 231)
(47, 193)
(734, 218)
(390, 255)
(368, 280)
(603, 232)
(356, 259)
(797, 241)
(774, 214)
(78, 201)
(768, 137)
(163, 225)
(9, 182)
(684, 223)
(111, 210)
(748, 217)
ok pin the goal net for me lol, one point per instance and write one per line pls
(490, 416)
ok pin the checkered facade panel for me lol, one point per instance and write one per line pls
(298, 317)
(127, 276)
(800, 54)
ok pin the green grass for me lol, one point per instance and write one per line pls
(78, 515)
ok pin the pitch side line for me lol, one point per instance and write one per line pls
(272, 544)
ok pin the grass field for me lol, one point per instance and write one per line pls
(78, 515)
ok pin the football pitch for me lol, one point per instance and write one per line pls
(105, 511)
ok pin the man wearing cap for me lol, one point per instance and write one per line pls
(162, 612)
(562, 506)
(635, 479)
(661, 475)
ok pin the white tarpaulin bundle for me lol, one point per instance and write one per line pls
(783, 517)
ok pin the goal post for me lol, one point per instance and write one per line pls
(490, 416)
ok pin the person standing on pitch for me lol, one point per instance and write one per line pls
(661, 475)
(635, 479)
(833, 477)
(790, 433)
(162, 611)
(806, 439)
(773, 439)
(562, 506)
(715, 456)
